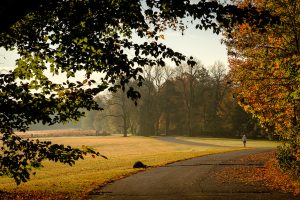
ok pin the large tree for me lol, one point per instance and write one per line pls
(90, 36)
(265, 72)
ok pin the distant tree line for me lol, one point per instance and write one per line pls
(191, 101)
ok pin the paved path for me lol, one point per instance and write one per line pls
(189, 180)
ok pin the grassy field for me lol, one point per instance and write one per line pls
(57, 133)
(75, 182)
(231, 142)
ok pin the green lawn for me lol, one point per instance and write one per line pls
(77, 181)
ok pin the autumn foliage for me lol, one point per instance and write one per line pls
(265, 72)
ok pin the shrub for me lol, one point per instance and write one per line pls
(288, 158)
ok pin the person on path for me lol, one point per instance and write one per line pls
(244, 139)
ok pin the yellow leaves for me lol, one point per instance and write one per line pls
(153, 34)
(244, 26)
(277, 180)
(291, 59)
(150, 34)
(274, 41)
(61, 93)
(263, 92)
(276, 65)
(254, 88)
(297, 154)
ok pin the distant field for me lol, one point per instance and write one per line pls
(57, 133)
(59, 181)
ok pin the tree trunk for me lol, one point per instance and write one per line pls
(167, 124)
(125, 127)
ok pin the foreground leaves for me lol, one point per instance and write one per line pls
(269, 175)
(21, 155)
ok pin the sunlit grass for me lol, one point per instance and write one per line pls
(232, 142)
(122, 152)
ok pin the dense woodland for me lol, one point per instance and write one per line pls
(185, 100)
(182, 100)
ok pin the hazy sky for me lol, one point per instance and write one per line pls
(203, 45)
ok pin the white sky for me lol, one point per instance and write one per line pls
(203, 45)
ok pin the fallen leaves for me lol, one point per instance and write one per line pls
(33, 195)
(268, 175)
(276, 179)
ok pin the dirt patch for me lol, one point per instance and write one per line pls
(268, 175)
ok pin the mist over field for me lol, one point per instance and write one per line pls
(185, 100)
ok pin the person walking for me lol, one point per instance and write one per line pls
(244, 139)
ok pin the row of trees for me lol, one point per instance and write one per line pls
(184, 100)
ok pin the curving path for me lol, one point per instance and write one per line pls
(189, 180)
(178, 141)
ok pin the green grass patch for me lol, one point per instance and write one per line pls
(62, 180)
(232, 142)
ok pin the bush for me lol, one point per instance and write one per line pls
(288, 158)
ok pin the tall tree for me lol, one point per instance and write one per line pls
(265, 70)
(149, 105)
(122, 110)
(188, 77)
(169, 107)
(219, 89)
